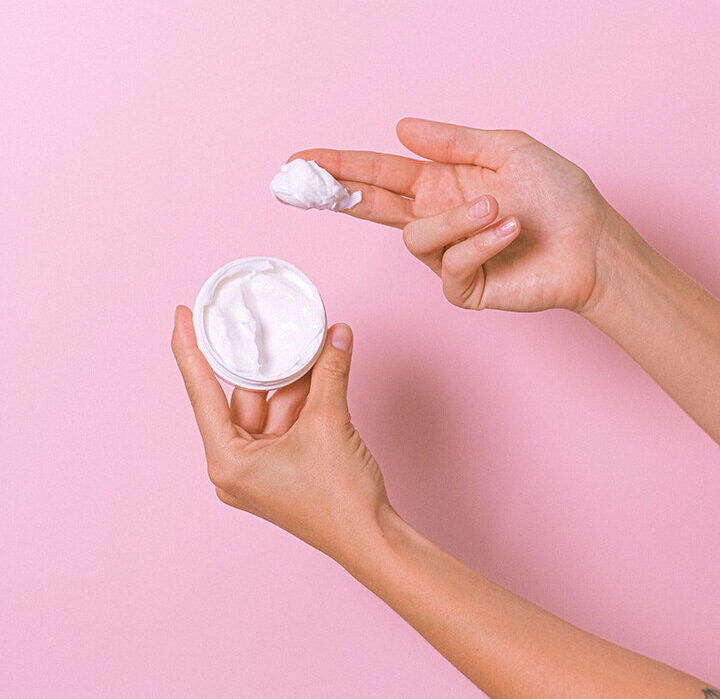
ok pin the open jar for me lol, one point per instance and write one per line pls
(260, 322)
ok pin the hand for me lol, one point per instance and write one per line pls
(295, 460)
(560, 259)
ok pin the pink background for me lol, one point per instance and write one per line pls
(137, 140)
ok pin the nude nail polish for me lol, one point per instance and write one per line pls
(480, 208)
(506, 228)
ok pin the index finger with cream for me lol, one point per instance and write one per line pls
(306, 185)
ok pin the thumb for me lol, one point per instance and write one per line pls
(329, 380)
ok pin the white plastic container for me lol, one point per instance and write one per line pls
(260, 322)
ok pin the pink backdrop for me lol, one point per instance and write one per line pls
(137, 140)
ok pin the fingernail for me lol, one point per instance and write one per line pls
(480, 208)
(506, 228)
(177, 310)
(341, 337)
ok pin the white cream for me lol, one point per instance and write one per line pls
(303, 183)
(260, 322)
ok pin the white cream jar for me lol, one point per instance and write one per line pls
(260, 322)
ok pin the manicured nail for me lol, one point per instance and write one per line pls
(506, 228)
(480, 208)
(341, 337)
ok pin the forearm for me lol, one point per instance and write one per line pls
(504, 644)
(665, 321)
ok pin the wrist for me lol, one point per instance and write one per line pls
(380, 538)
(620, 255)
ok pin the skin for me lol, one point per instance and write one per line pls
(296, 460)
(574, 250)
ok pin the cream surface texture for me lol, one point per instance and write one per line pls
(264, 320)
(303, 183)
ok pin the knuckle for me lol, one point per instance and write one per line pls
(376, 168)
(451, 264)
(222, 474)
(223, 496)
(482, 243)
(410, 237)
(232, 473)
(450, 294)
(217, 473)
(455, 290)
(453, 221)
(517, 138)
(335, 369)
(518, 135)
(415, 237)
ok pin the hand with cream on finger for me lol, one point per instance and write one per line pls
(553, 261)
(548, 240)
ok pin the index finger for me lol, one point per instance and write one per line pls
(394, 173)
(207, 397)
(379, 205)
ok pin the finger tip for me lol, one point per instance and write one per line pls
(183, 332)
(404, 123)
(305, 154)
(181, 312)
(508, 229)
(295, 156)
(176, 317)
(341, 336)
(341, 324)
